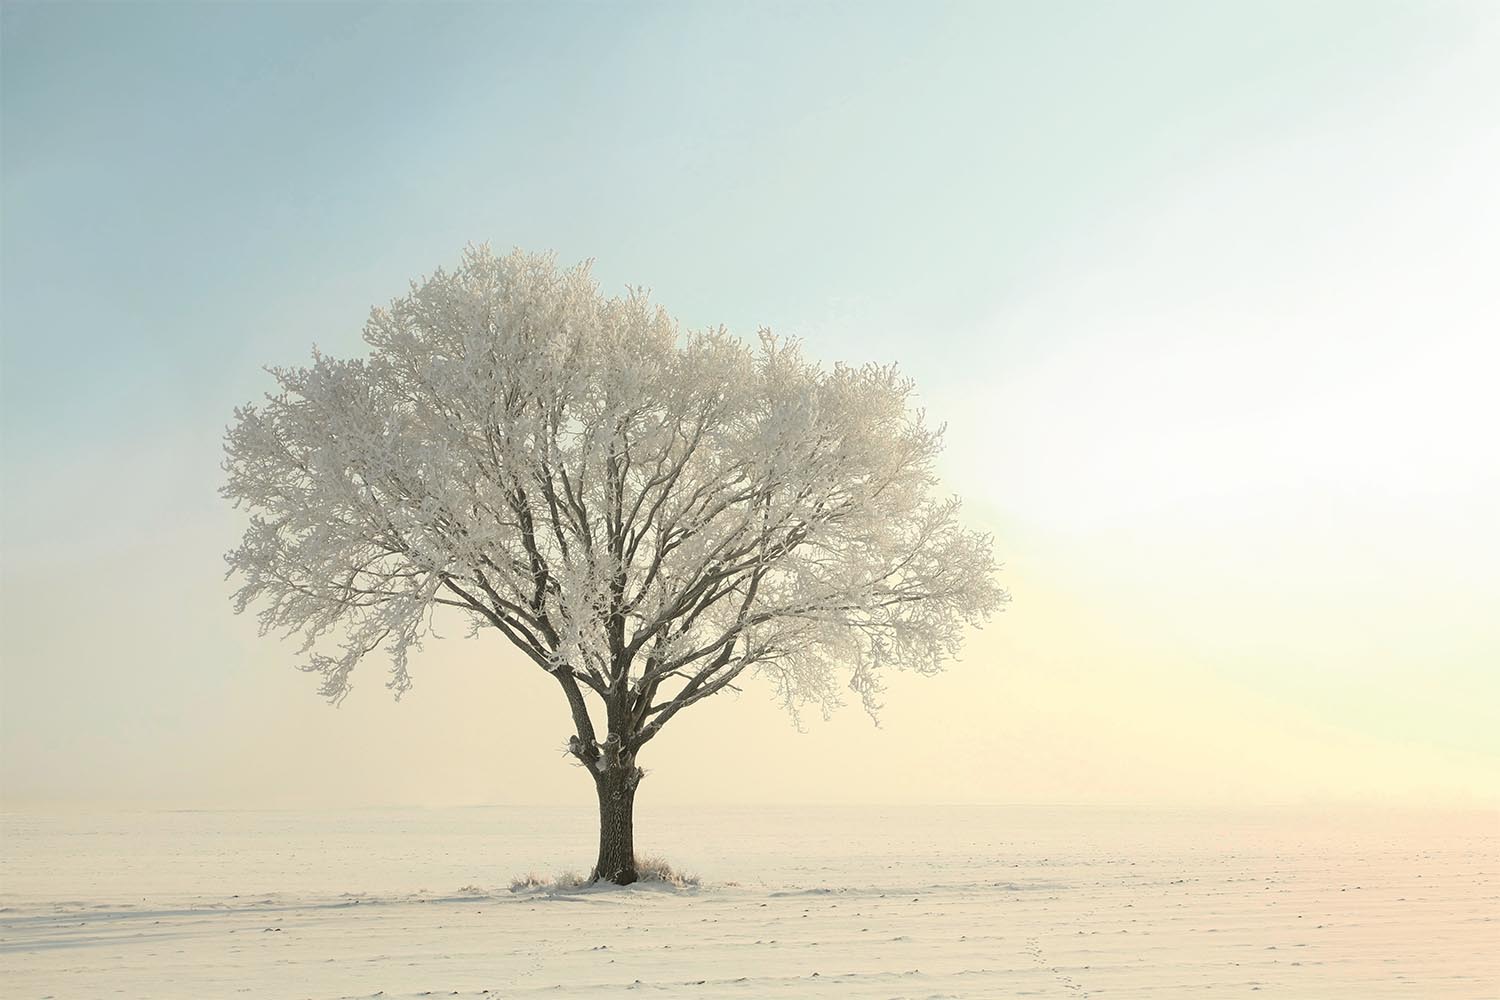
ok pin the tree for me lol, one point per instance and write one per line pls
(644, 514)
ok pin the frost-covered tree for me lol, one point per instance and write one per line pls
(646, 514)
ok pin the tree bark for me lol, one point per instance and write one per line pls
(616, 787)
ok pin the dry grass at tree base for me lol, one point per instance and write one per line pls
(648, 870)
(656, 869)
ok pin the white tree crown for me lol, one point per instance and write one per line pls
(645, 514)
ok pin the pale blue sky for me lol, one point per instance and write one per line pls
(1203, 290)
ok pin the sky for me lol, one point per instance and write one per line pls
(1205, 294)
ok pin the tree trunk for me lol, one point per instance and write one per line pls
(616, 786)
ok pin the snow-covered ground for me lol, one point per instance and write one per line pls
(824, 902)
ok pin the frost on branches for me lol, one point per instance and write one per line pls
(645, 514)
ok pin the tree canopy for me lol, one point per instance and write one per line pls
(645, 513)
